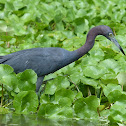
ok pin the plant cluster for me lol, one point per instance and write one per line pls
(86, 89)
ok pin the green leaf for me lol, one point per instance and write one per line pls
(58, 35)
(26, 17)
(109, 78)
(47, 23)
(18, 4)
(79, 95)
(50, 88)
(10, 81)
(8, 77)
(70, 15)
(111, 87)
(94, 71)
(121, 78)
(65, 101)
(25, 102)
(75, 76)
(64, 93)
(86, 108)
(56, 84)
(61, 82)
(114, 96)
(110, 65)
(89, 81)
(16, 25)
(42, 110)
(113, 92)
(4, 110)
(12, 41)
(27, 80)
(81, 25)
(89, 61)
(62, 113)
(118, 110)
(55, 111)
(44, 99)
(9, 6)
(5, 70)
(97, 52)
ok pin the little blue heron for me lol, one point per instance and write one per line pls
(48, 60)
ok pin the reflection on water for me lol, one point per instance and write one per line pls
(34, 120)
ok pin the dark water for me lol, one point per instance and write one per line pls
(33, 120)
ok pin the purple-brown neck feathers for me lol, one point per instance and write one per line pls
(89, 40)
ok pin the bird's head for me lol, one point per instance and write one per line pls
(108, 33)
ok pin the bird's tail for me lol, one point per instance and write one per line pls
(2, 60)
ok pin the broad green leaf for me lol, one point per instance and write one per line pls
(18, 4)
(26, 17)
(27, 80)
(89, 81)
(50, 88)
(88, 61)
(62, 113)
(65, 101)
(122, 78)
(75, 76)
(97, 52)
(56, 84)
(81, 25)
(44, 99)
(25, 102)
(113, 92)
(109, 78)
(121, 39)
(114, 96)
(79, 95)
(12, 41)
(64, 93)
(94, 71)
(55, 111)
(9, 6)
(4, 110)
(110, 88)
(42, 110)
(57, 35)
(81, 12)
(65, 24)
(70, 15)
(86, 108)
(61, 82)
(5, 70)
(10, 81)
(118, 111)
(110, 65)
(17, 25)
(108, 52)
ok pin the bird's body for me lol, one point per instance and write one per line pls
(42, 60)
(48, 60)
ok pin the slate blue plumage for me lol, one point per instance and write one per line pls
(48, 60)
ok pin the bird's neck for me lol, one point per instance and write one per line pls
(89, 42)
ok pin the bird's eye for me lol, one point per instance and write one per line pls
(110, 34)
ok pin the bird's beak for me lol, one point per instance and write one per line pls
(112, 38)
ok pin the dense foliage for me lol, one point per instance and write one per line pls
(86, 89)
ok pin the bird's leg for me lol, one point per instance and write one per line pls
(39, 83)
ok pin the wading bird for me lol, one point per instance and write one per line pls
(48, 60)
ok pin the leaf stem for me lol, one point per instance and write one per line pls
(2, 96)
(75, 85)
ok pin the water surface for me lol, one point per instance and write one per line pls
(34, 120)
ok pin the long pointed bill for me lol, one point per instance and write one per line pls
(117, 44)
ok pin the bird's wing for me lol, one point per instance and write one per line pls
(42, 61)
